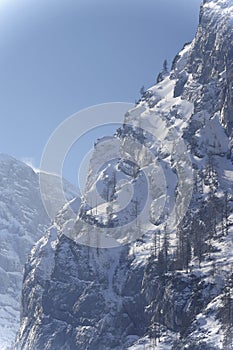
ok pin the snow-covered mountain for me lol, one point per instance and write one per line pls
(23, 221)
(148, 261)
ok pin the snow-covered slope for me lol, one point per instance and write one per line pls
(23, 221)
(160, 195)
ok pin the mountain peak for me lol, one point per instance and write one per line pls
(219, 5)
(7, 158)
(218, 2)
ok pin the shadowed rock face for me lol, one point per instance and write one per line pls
(212, 55)
(86, 303)
(77, 297)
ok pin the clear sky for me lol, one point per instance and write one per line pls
(60, 56)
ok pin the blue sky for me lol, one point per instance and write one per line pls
(60, 56)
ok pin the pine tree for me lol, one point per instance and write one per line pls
(142, 90)
(226, 212)
(165, 248)
(184, 253)
(227, 315)
(163, 73)
(114, 183)
(161, 264)
(198, 229)
(165, 66)
(155, 243)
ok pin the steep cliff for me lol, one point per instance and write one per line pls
(154, 268)
(23, 220)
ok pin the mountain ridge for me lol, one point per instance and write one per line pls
(168, 282)
(23, 220)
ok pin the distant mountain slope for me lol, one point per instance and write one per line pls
(23, 221)
(167, 281)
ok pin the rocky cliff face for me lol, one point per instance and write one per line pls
(23, 221)
(211, 57)
(167, 280)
